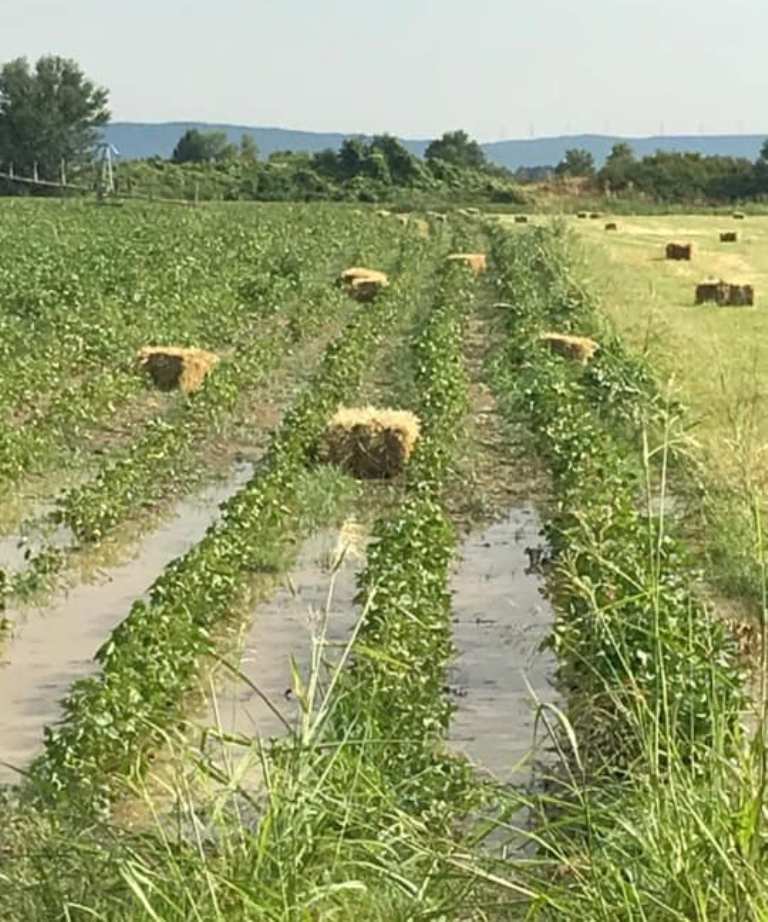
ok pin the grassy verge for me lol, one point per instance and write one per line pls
(656, 813)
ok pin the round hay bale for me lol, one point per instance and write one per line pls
(611, 226)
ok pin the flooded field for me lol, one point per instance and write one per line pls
(500, 620)
(50, 648)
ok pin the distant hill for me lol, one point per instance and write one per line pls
(137, 140)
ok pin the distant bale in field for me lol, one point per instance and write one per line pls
(594, 214)
(422, 227)
(521, 219)
(370, 443)
(476, 261)
(437, 216)
(578, 348)
(611, 226)
(361, 272)
(679, 250)
(729, 237)
(402, 218)
(582, 214)
(739, 215)
(724, 294)
(362, 284)
(172, 368)
(383, 213)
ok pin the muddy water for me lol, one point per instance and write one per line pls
(313, 599)
(31, 538)
(500, 621)
(50, 648)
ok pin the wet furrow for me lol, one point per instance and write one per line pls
(54, 647)
(500, 621)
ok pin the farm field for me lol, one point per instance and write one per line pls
(247, 675)
(715, 360)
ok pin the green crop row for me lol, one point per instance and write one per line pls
(82, 289)
(152, 658)
(143, 472)
(394, 692)
(631, 627)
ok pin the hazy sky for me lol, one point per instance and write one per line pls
(499, 68)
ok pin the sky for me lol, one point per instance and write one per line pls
(497, 68)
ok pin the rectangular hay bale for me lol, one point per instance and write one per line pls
(173, 367)
(370, 443)
(679, 251)
(578, 348)
(476, 261)
(725, 295)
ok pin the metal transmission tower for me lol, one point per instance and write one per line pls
(106, 179)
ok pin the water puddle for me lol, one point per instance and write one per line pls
(282, 629)
(50, 648)
(500, 621)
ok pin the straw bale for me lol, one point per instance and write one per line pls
(383, 213)
(402, 218)
(476, 261)
(370, 443)
(363, 284)
(679, 250)
(611, 226)
(422, 227)
(361, 272)
(521, 219)
(724, 294)
(739, 215)
(729, 237)
(594, 214)
(171, 367)
(582, 214)
(365, 289)
(578, 348)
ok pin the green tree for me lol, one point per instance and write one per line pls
(203, 147)
(458, 148)
(577, 162)
(249, 149)
(619, 166)
(48, 114)
(402, 166)
(352, 157)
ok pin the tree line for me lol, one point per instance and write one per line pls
(51, 114)
(668, 176)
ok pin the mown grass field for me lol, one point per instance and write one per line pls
(715, 359)
(650, 803)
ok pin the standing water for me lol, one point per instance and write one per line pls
(500, 621)
(52, 648)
